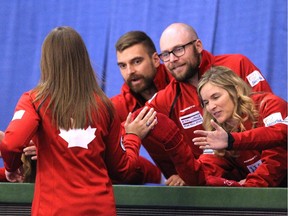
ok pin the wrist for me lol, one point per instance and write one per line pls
(230, 141)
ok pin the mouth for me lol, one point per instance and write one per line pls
(176, 68)
(217, 114)
(135, 80)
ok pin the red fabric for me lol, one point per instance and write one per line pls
(166, 131)
(266, 168)
(265, 137)
(238, 63)
(71, 180)
(2, 175)
(221, 182)
(126, 102)
(187, 112)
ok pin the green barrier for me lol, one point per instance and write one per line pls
(202, 197)
(172, 197)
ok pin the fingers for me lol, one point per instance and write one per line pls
(16, 176)
(201, 132)
(150, 118)
(174, 180)
(214, 124)
(201, 142)
(34, 157)
(129, 118)
(31, 143)
(142, 113)
(30, 150)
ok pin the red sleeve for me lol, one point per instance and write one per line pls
(146, 172)
(2, 175)
(121, 160)
(272, 128)
(272, 171)
(19, 132)
(188, 168)
(159, 156)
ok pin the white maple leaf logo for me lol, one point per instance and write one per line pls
(78, 137)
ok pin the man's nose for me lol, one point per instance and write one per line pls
(173, 57)
(130, 69)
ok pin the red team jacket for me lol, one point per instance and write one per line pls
(128, 101)
(179, 101)
(265, 165)
(73, 167)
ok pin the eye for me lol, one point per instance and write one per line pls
(204, 103)
(178, 50)
(122, 66)
(137, 61)
(215, 97)
(165, 54)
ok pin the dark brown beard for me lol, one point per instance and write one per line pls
(193, 69)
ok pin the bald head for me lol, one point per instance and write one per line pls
(181, 51)
(175, 34)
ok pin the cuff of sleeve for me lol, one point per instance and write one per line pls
(133, 136)
(230, 141)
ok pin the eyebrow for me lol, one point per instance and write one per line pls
(179, 45)
(131, 60)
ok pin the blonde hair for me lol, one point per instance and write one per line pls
(239, 92)
(29, 169)
(68, 79)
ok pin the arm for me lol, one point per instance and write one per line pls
(125, 149)
(271, 131)
(167, 133)
(272, 171)
(18, 134)
(272, 127)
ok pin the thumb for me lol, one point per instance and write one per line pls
(215, 125)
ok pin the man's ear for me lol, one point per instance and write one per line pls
(155, 59)
(199, 45)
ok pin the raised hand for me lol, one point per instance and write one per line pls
(217, 139)
(142, 124)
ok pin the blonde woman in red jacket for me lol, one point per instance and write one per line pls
(259, 152)
(248, 130)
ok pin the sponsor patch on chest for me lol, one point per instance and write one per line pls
(191, 120)
(254, 78)
(254, 166)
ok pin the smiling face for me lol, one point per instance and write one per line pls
(186, 66)
(137, 68)
(217, 102)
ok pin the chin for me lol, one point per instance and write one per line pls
(219, 120)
